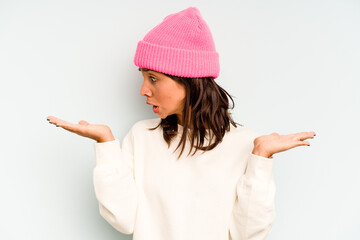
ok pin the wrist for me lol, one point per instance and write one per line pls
(261, 153)
(106, 139)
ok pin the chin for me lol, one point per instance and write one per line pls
(162, 116)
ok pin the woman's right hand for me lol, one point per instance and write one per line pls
(100, 133)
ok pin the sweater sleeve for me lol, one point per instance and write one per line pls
(114, 183)
(254, 209)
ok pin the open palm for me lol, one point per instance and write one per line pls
(267, 145)
(100, 133)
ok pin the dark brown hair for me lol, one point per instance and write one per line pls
(206, 108)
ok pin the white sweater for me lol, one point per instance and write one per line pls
(223, 194)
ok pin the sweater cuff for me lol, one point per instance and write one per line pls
(107, 152)
(259, 167)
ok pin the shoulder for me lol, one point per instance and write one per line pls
(243, 132)
(242, 137)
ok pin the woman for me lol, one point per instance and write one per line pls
(192, 173)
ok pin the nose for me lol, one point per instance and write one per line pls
(145, 90)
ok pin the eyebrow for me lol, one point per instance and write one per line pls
(144, 69)
(151, 72)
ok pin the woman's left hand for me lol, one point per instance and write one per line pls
(267, 145)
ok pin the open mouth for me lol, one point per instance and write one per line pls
(156, 109)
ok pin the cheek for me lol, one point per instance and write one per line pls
(176, 97)
(170, 96)
(181, 95)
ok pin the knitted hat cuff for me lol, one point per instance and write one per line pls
(177, 62)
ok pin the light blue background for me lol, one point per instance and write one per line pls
(291, 65)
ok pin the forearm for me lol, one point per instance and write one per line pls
(115, 187)
(254, 210)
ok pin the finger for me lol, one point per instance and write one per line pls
(79, 129)
(75, 128)
(62, 123)
(52, 120)
(303, 143)
(305, 135)
(55, 120)
(83, 122)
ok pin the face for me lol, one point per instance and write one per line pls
(165, 94)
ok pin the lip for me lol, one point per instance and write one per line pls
(157, 107)
(147, 102)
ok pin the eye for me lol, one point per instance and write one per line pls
(152, 79)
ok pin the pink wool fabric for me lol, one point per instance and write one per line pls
(181, 45)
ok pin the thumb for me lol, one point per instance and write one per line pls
(83, 122)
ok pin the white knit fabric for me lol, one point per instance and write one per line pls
(225, 193)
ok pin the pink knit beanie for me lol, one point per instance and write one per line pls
(181, 45)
